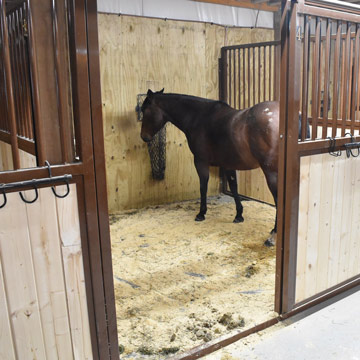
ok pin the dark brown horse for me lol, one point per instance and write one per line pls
(219, 135)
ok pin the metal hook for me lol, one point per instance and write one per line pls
(5, 199)
(348, 147)
(67, 190)
(30, 201)
(332, 147)
(53, 188)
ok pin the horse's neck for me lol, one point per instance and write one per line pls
(175, 113)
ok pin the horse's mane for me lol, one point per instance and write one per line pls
(194, 98)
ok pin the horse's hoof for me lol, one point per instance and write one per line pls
(271, 240)
(269, 243)
(200, 217)
(239, 219)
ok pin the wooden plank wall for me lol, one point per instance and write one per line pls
(140, 53)
(6, 163)
(329, 223)
(252, 183)
(43, 308)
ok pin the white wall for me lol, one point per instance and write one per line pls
(189, 10)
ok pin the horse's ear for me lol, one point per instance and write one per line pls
(161, 91)
(149, 93)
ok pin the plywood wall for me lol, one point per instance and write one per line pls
(43, 308)
(329, 223)
(252, 183)
(140, 53)
(6, 163)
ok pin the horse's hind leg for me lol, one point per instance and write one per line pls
(231, 178)
(203, 172)
(272, 180)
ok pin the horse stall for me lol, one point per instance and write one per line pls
(178, 283)
(99, 251)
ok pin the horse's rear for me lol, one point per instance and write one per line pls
(245, 139)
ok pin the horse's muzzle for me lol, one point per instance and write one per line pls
(146, 138)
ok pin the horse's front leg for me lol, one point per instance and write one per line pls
(203, 172)
(231, 178)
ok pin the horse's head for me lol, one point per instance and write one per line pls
(153, 116)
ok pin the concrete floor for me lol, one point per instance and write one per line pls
(329, 332)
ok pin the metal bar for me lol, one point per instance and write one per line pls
(248, 77)
(259, 73)
(14, 72)
(39, 131)
(100, 175)
(22, 81)
(329, 13)
(346, 78)
(9, 87)
(206, 349)
(336, 86)
(87, 143)
(265, 73)
(35, 182)
(283, 53)
(270, 72)
(320, 76)
(229, 77)
(321, 146)
(234, 77)
(315, 78)
(224, 79)
(249, 46)
(326, 78)
(24, 144)
(244, 79)
(239, 77)
(253, 76)
(305, 85)
(292, 164)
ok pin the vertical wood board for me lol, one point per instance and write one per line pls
(43, 300)
(329, 223)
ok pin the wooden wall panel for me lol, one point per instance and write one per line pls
(42, 289)
(252, 183)
(329, 223)
(6, 162)
(140, 53)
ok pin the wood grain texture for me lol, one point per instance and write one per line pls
(6, 162)
(19, 279)
(43, 301)
(137, 54)
(329, 223)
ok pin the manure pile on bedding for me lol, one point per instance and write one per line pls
(181, 283)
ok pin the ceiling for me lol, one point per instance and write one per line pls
(267, 5)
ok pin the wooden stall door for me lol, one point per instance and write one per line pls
(43, 312)
(318, 245)
(56, 280)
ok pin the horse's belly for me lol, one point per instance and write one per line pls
(235, 162)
